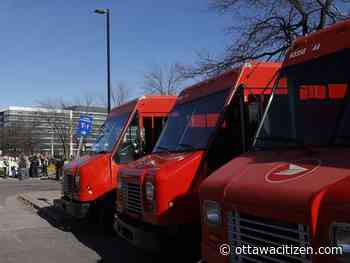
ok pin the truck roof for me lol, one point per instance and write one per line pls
(258, 77)
(144, 104)
(254, 75)
(329, 40)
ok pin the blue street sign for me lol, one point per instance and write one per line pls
(85, 125)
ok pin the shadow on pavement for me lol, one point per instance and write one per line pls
(109, 246)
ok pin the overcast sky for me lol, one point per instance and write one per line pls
(56, 49)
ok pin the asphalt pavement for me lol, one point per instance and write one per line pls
(29, 236)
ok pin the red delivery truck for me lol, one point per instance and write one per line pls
(211, 122)
(291, 196)
(130, 132)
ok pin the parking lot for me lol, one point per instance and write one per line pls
(27, 235)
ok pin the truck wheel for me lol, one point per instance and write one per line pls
(92, 215)
(189, 239)
(105, 215)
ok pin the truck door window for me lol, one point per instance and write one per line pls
(148, 134)
(228, 140)
(153, 127)
(159, 123)
(129, 148)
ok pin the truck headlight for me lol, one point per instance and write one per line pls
(340, 236)
(212, 213)
(77, 181)
(149, 189)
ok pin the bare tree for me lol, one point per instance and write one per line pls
(119, 94)
(56, 118)
(61, 117)
(265, 29)
(84, 102)
(20, 137)
(163, 80)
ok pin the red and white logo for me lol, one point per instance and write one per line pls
(292, 171)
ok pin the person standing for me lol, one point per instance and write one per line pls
(14, 166)
(38, 157)
(44, 165)
(59, 167)
(35, 164)
(2, 166)
(6, 167)
(27, 166)
(22, 166)
(31, 158)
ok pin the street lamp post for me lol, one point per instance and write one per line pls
(107, 13)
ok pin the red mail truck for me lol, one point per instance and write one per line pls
(212, 122)
(130, 132)
(293, 191)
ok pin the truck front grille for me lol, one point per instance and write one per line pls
(132, 197)
(68, 186)
(261, 232)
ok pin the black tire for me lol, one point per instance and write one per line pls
(92, 216)
(105, 214)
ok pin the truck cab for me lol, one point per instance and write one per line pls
(294, 189)
(130, 132)
(212, 122)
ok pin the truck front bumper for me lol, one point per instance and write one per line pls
(145, 239)
(72, 208)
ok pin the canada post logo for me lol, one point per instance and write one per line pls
(292, 170)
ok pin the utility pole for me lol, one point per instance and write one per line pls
(108, 40)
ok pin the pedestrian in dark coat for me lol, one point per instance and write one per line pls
(59, 167)
(35, 166)
(22, 166)
(44, 165)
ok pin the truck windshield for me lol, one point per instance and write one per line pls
(313, 110)
(190, 124)
(110, 133)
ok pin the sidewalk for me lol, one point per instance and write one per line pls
(14, 179)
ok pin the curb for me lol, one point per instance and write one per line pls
(28, 202)
(49, 212)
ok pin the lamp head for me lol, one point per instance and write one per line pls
(101, 11)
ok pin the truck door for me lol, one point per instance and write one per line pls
(235, 134)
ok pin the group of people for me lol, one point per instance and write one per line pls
(23, 166)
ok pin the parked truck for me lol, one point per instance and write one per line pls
(212, 122)
(293, 192)
(130, 132)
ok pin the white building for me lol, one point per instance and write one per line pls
(38, 129)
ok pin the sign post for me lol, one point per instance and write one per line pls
(84, 128)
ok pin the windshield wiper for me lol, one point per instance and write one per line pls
(188, 146)
(299, 143)
(280, 139)
(283, 139)
(165, 149)
(102, 152)
(344, 141)
(342, 137)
